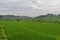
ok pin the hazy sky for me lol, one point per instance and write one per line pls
(29, 7)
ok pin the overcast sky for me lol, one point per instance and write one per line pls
(29, 7)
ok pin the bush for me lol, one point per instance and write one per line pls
(18, 20)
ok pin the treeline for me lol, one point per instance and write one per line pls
(13, 17)
(51, 18)
(41, 18)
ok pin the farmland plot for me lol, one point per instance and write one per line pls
(24, 30)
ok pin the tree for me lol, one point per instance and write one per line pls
(1, 16)
(18, 20)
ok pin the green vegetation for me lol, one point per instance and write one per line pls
(2, 33)
(24, 30)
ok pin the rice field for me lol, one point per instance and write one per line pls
(28, 30)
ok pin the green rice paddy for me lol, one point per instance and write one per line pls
(28, 30)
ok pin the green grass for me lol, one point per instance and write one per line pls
(24, 30)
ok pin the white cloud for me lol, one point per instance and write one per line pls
(27, 6)
(12, 0)
(50, 3)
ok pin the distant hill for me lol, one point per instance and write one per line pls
(12, 17)
(45, 18)
(48, 18)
